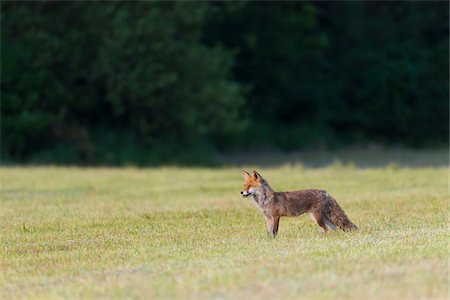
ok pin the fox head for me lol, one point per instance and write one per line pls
(251, 183)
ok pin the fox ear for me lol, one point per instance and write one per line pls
(256, 176)
(245, 174)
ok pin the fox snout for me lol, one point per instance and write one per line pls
(245, 193)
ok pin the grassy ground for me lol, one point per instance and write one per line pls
(187, 233)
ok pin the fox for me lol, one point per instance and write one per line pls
(322, 207)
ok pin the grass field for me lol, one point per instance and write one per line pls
(187, 233)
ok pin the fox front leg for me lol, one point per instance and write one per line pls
(272, 226)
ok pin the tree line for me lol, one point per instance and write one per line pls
(174, 82)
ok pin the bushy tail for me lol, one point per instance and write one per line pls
(337, 215)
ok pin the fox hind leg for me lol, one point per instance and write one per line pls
(320, 220)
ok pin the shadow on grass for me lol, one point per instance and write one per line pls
(361, 158)
(367, 157)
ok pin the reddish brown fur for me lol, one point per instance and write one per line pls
(323, 208)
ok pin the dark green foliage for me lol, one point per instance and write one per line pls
(164, 82)
(112, 81)
(328, 73)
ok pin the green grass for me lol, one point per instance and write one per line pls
(187, 233)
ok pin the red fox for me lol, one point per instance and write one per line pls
(323, 208)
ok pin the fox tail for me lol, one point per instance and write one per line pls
(337, 215)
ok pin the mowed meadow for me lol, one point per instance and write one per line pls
(187, 233)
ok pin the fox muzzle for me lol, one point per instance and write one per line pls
(245, 193)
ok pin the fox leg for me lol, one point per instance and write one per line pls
(276, 222)
(319, 219)
(272, 225)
